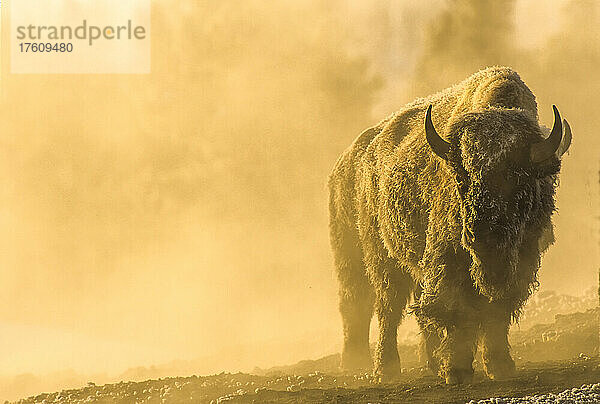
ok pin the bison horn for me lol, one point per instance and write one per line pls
(546, 148)
(438, 145)
(566, 140)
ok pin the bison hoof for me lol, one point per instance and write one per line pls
(501, 370)
(458, 376)
(433, 365)
(356, 361)
(388, 373)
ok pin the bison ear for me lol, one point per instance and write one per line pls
(566, 140)
(437, 144)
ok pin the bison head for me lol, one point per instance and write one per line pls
(505, 173)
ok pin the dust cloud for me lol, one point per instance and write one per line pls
(182, 215)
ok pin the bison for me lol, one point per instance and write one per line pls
(445, 208)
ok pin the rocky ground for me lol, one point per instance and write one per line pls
(418, 386)
(588, 393)
(557, 362)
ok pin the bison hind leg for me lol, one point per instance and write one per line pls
(394, 289)
(356, 310)
(356, 300)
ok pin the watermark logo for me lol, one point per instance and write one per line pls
(91, 33)
(80, 36)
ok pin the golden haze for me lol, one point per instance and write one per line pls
(182, 214)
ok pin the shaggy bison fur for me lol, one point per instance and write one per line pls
(455, 226)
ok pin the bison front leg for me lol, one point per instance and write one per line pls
(430, 343)
(456, 353)
(497, 362)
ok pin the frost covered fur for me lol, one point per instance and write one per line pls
(460, 237)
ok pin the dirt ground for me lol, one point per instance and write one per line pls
(550, 358)
(418, 386)
(532, 378)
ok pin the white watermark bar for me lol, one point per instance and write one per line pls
(79, 36)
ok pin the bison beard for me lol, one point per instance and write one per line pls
(454, 223)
